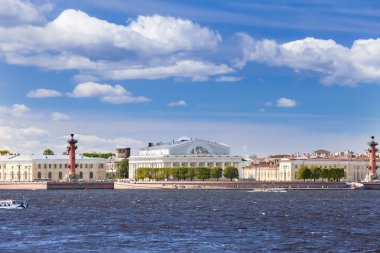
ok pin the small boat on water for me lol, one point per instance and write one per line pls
(269, 190)
(356, 185)
(13, 204)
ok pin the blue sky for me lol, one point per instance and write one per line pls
(264, 77)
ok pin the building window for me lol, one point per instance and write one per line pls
(101, 166)
(39, 174)
(49, 175)
(49, 166)
(91, 166)
(85, 165)
(199, 150)
(39, 166)
(55, 166)
(12, 175)
(0, 175)
(66, 166)
(45, 166)
(60, 166)
(91, 175)
(60, 175)
(80, 166)
(81, 175)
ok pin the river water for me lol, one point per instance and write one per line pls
(192, 221)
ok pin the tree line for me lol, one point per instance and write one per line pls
(98, 155)
(314, 172)
(186, 173)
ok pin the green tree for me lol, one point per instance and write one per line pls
(174, 173)
(328, 174)
(101, 155)
(166, 172)
(202, 173)
(190, 173)
(123, 169)
(316, 172)
(4, 152)
(48, 152)
(231, 172)
(216, 172)
(336, 174)
(182, 173)
(303, 173)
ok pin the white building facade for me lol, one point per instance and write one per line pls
(286, 169)
(184, 152)
(27, 168)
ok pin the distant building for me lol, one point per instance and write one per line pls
(321, 153)
(123, 153)
(112, 163)
(184, 152)
(286, 169)
(26, 168)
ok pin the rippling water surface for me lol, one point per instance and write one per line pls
(192, 221)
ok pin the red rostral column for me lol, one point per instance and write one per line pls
(71, 151)
(372, 157)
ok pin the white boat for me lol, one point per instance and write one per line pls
(13, 204)
(357, 186)
(269, 190)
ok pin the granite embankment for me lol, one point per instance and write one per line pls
(226, 184)
(55, 185)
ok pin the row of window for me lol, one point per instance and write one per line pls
(60, 175)
(13, 175)
(60, 166)
(80, 165)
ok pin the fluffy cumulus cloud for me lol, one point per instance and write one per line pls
(177, 103)
(148, 47)
(116, 94)
(19, 12)
(15, 110)
(286, 102)
(43, 93)
(103, 144)
(337, 64)
(12, 133)
(57, 116)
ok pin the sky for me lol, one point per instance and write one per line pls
(264, 77)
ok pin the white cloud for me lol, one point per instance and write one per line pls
(228, 79)
(103, 144)
(197, 70)
(286, 102)
(149, 47)
(43, 93)
(57, 116)
(16, 134)
(177, 103)
(18, 12)
(336, 63)
(124, 99)
(15, 110)
(91, 89)
(112, 94)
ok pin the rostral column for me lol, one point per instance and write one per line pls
(372, 158)
(71, 151)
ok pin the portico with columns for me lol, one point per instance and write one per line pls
(183, 152)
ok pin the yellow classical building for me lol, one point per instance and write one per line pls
(27, 168)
